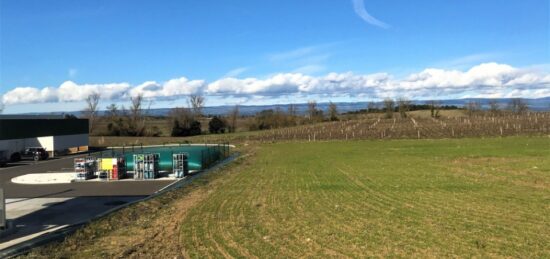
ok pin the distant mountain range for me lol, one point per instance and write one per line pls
(540, 104)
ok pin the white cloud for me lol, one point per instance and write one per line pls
(277, 84)
(29, 95)
(484, 80)
(68, 91)
(361, 11)
(480, 77)
(170, 89)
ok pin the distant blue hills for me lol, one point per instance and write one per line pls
(539, 104)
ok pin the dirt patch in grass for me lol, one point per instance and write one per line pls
(163, 230)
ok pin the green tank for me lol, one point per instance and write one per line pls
(199, 156)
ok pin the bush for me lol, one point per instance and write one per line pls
(216, 125)
(154, 132)
(195, 128)
(181, 131)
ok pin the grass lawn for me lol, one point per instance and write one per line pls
(399, 198)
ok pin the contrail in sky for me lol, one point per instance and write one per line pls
(359, 7)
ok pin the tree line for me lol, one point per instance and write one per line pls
(132, 121)
(515, 106)
(187, 121)
(401, 106)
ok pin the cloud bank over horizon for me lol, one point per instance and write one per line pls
(487, 80)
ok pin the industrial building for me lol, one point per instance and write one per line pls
(56, 134)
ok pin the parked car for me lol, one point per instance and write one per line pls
(35, 153)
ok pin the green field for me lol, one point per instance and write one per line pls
(398, 198)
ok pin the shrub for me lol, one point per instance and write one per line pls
(216, 125)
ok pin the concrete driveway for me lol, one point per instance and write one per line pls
(38, 209)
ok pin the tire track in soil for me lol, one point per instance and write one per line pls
(163, 238)
(470, 213)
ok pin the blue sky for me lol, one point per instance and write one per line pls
(54, 53)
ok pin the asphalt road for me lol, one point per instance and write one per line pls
(80, 189)
(31, 217)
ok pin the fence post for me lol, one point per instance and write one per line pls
(3, 224)
(202, 159)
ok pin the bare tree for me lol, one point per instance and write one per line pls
(494, 108)
(518, 105)
(523, 107)
(116, 125)
(311, 109)
(233, 117)
(197, 103)
(90, 111)
(136, 107)
(184, 123)
(473, 107)
(184, 116)
(389, 107)
(112, 110)
(136, 120)
(292, 110)
(434, 108)
(279, 118)
(332, 111)
(403, 106)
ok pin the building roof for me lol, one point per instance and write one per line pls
(19, 128)
(29, 117)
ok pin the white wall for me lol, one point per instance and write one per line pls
(12, 145)
(51, 143)
(45, 142)
(64, 142)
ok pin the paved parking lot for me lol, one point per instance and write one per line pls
(80, 189)
(37, 209)
(33, 217)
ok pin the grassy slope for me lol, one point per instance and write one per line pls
(469, 197)
(465, 197)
